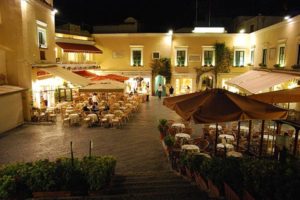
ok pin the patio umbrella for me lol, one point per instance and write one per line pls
(85, 73)
(280, 96)
(218, 105)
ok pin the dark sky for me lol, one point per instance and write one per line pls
(161, 15)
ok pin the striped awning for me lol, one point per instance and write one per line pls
(78, 48)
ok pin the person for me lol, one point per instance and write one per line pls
(95, 107)
(188, 89)
(95, 98)
(85, 108)
(171, 91)
(147, 93)
(159, 90)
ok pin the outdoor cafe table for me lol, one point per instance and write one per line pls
(244, 128)
(93, 117)
(228, 137)
(229, 147)
(109, 116)
(234, 154)
(190, 148)
(202, 154)
(178, 126)
(123, 108)
(213, 126)
(74, 118)
(269, 137)
(182, 136)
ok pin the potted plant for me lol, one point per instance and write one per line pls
(163, 128)
(7, 187)
(262, 65)
(169, 141)
(296, 67)
(277, 66)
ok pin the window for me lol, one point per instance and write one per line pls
(87, 56)
(264, 57)
(42, 55)
(208, 56)
(298, 60)
(136, 56)
(281, 56)
(72, 57)
(155, 55)
(239, 58)
(252, 57)
(181, 57)
(42, 37)
(251, 28)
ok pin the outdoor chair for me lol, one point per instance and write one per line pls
(66, 121)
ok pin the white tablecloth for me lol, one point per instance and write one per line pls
(269, 137)
(182, 135)
(93, 117)
(190, 148)
(213, 126)
(109, 116)
(234, 154)
(74, 118)
(244, 128)
(178, 125)
(229, 147)
(228, 137)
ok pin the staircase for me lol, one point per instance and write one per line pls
(157, 186)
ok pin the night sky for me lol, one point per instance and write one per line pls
(161, 15)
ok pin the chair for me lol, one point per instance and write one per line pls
(66, 120)
(202, 144)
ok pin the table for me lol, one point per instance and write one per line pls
(182, 136)
(202, 154)
(69, 111)
(213, 126)
(74, 118)
(109, 116)
(244, 128)
(269, 137)
(229, 147)
(190, 148)
(228, 137)
(123, 108)
(234, 154)
(178, 125)
(93, 117)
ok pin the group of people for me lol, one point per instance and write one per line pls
(171, 90)
(93, 105)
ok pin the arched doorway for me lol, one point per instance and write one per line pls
(159, 79)
(206, 81)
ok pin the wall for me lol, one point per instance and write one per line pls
(286, 32)
(11, 114)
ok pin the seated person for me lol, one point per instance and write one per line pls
(95, 107)
(106, 107)
(85, 108)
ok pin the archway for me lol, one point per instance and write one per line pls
(206, 81)
(159, 79)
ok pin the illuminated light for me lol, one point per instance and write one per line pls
(287, 17)
(209, 30)
(55, 11)
(242, 31)
(170, 32)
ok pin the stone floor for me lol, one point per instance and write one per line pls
(137, 146)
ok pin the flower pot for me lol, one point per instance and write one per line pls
(51, 194)
(201, 182)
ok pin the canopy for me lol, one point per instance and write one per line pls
(255, 81)
(280, 96)
(219, 105)
(67, 75)
(104, 86)
(112, 77)
(85, 73)
(78, 48)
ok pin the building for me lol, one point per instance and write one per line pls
(130, 25)
(26, 39)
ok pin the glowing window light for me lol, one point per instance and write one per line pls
(209, 30)
(242, 31)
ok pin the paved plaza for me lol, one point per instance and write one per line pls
(137, 146)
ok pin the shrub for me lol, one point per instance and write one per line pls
(169, 140)
(7, 187)
(163, 126)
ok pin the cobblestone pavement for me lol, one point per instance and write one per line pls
(137, 146)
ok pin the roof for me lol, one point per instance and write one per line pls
(84, 48)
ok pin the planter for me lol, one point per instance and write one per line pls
(230, 194)
(189, 173)
(213, 191)
(200, 181)
(51, 194)
(247, 196)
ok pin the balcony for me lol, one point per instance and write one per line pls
(79, 65)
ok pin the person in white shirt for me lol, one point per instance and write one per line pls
(95, 98)
(147, 93)
(159, 90)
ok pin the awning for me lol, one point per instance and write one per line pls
(78, 48)
(9, 89)
(280, 96)
(85, 73)
(256, 81)
(104, 86)
(67, 75)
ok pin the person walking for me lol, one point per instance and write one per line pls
(171, 91)
(147, 93)
(159, 90)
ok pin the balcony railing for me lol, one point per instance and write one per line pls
(79, 65)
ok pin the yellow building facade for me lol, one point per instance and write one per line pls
(26, 39)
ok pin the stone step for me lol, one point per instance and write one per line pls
(149, 182)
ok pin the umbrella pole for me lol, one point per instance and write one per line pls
(296, 142)
(238, 136)
(216, 139)
(262, 137)
(249, 135)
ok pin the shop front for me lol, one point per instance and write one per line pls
(184, 83)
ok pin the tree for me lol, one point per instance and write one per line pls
(162, 67)
(224, 58)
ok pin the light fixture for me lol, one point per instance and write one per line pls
(54, 11)
(287, 17)
(242, 31)
(170, 32)
(209, 30)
